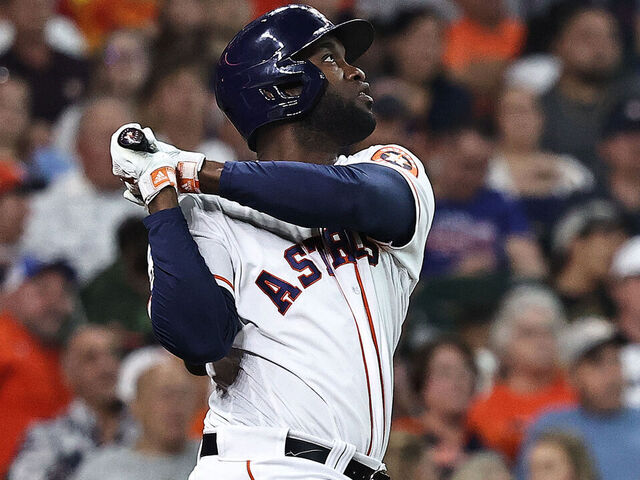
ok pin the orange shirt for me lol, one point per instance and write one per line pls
(97, 18)
(501, 418)
(467, 41)
(31, 386)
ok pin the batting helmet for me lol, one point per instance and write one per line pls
(259, 65)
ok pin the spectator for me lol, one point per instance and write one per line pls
(476, 230)
(625, 288)
(55, 78)
(121, 71)
(177, 108)
(35, 307)
(408, 457)
(420, 81)
(445, 378)
(560, 456)
(163, 402)
(611, 430)
(620, 150)
(184, 33)
(77, 216)
(95, 417)
(14, 116)
(575, 108)
(583, 243)
(542, 180)
(118, 296)
(481, 43)
(524, 337)
(483, 466)
(14, 211)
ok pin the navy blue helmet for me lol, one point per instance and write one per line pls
(259, 65)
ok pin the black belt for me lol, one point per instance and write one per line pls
(307, 450)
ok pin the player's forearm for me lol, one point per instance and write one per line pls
(192, 316)
(371, 199)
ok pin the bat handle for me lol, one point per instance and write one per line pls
(135, 139)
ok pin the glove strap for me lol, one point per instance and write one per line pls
(187, 172)
(151, 183)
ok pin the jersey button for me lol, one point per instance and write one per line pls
(356, 290)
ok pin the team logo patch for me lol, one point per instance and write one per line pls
(398, 157)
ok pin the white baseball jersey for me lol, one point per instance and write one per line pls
(322, 313)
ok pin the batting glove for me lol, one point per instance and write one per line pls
(187, 168)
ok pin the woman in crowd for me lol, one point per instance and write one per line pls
(560, 456)
(444, 376)
(524, 337)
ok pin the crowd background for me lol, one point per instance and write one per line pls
(520, 357)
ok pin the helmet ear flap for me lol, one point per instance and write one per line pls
(297, 89)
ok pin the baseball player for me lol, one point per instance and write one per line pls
(296, 270)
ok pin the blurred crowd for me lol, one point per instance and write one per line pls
(520, 357)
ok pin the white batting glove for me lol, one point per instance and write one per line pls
(187, 168)
(144, 174)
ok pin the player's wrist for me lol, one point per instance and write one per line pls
(165, 199)
(209, 177)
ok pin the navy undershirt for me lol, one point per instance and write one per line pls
(196, 319)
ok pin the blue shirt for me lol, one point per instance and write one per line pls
(480, 226)
(613, 440)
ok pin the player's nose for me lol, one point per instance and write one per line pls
(354, 73)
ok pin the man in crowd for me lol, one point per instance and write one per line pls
(163, 401)
(583, 244)
(95, 417)
(77, 216)
(611, 430)
(477, 230)
(619, 149)
(56, 79)
(589, 47)
(37, 302)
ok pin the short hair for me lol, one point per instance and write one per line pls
(517, 300)
(423, 357)
(575, 448)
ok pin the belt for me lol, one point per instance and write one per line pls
(307, 450)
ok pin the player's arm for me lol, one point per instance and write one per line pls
(192, 316)
(365, 197)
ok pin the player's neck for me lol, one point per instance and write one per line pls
(285, 143)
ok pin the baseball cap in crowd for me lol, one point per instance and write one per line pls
(626, 261)
(625, 117)
(132, 368)
(13, 177)
(581, 219)
(29, 267)
(584, 336)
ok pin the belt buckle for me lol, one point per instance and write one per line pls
(380, 475)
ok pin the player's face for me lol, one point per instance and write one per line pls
(344, 111)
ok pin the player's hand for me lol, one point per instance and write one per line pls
(143, 173)
(187, 168)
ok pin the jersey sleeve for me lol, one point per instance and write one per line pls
(211, 241)
(398, 158)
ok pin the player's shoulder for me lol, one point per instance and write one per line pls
(391, 155)
(201, 211)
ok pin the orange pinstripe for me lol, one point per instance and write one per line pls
(222, 279)
(249, 470)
